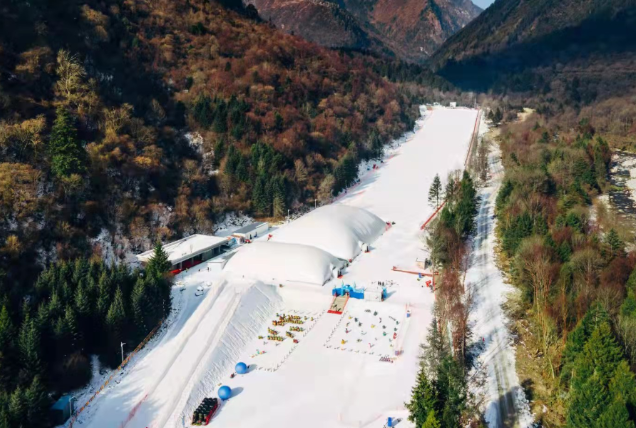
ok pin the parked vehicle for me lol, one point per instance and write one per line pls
(205, 411)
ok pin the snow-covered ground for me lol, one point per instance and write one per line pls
(505, 403)
(312, 386)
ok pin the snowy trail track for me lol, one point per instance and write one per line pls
(505, 405)
(316, 387)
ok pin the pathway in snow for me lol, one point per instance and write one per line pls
(505, 402)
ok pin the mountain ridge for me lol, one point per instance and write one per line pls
(585, 46)
(409, 29)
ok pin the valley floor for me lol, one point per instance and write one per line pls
(319, 382)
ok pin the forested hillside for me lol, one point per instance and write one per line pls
(96, 100)
(568, 258)
(567, 51)
(136, 121)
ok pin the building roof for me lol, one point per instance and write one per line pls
(185, 248)
(62, 403)
(339, 229)
(249, 228)
(275, 262)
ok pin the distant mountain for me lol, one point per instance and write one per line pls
(409, 29)
(584, 49)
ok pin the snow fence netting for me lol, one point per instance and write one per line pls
(338, 229)
(276, 262)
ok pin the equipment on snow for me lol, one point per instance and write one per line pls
(205, 411)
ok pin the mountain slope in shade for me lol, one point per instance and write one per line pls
(586, 45)
(413, 29)
(410, 29)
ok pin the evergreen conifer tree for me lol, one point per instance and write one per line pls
(104, 294)
(435, 193)
(615, 415)
(29, 345)
(67, 154)
(158, 265)
(83, 304)
(431, 421)
(17, 408)
(116, 316)
(6, 330)
(615, 243)
(35, 401)
(139, 303)
(71, 327)
(55, 305)
(423, 399)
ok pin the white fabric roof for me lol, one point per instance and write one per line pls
(338, 229)
(185, 248)
(275, 262)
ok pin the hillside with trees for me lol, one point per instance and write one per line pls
(570, 51)
(576, 279)
(78, 309)
(162, 116)
(130, 122)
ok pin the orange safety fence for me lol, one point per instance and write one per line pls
(116, 371)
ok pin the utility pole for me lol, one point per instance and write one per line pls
(122, 352)
(315, 203)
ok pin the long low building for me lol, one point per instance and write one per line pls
(251, 231)
(189, 251)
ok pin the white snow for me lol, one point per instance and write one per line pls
(277, 262)
(338, 229)
(312, 386)
(505, 401)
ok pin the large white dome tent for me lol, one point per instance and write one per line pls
(276, 262)
(338, 229)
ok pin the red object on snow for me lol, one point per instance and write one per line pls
(269, 236)
(175, 272)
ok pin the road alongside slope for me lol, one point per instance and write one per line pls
(505, 402)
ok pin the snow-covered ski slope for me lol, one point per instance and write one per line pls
(314, 386)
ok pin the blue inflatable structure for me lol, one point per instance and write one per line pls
(354, 292)
(241, 368)
(225, 392)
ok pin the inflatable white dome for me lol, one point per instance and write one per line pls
(275, 262)
(341, 230)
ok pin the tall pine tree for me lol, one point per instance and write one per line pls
(423, 399)
(436, 192)
(66, 151)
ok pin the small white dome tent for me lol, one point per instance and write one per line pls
(341, 230)
(275, 262)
